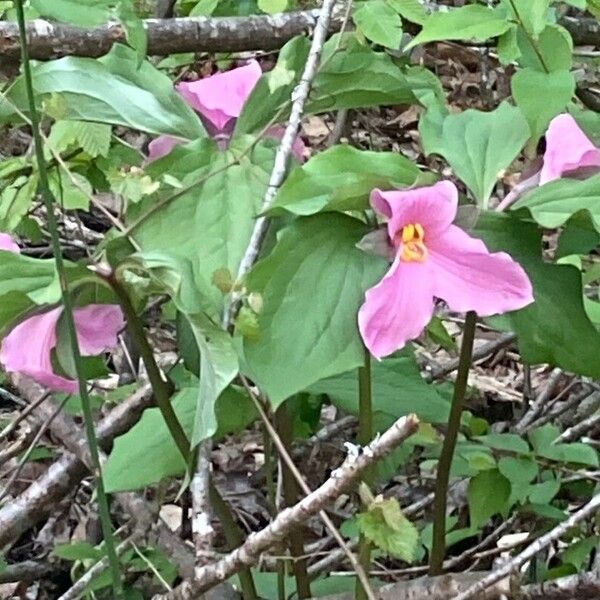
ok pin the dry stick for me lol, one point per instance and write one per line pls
(362, 576)
(22, 415)
(36, 502)
(27, 571)
(284, 151)
(542, 542)
(257, 543)
(540, 401)
(576, 431)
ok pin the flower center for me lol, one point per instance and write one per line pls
(413, 243)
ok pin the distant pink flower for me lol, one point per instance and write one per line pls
(27, 348)
(568, 150)
(219, 99)
(431, 258)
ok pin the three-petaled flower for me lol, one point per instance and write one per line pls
(219, 100)
(27, 348)
(432, 258)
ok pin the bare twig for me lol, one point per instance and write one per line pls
(299, 98)
(538, 404)
(26, 571)
(341, 479)
(576, 431)
(542, 542)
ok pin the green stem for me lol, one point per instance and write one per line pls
(285, 428)
(365, 435)
(162, 393)
(438, 548)
(44, 188)
(162, 389)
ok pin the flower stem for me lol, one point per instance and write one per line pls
(285, 428)
(438, 549)
(365, 435)
(162, 393)
(48, 199)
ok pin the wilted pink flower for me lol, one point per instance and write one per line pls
(219, 99)
(568, 150)
(431, 258)
(27, 348)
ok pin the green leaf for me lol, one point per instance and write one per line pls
(488, 495)
(543, 493)
(341, 178)
(473, 22)
(146, 453)
(553, 204)
(510, 442)
(379, 22)
(93, 138)
(541, 96)
(135, 30)
(272, 7)
(78, 12)
(553, 50)
(312, 285)
(16, 200)
(578, 554)
(411, 10)
(391, 399)
(480, 145)
(518, 470)
(386, 526)
(555, 329)
(213, 220)
(71, 190)
(78, 551)
(108, 90)
(352, 75)
(532, 14)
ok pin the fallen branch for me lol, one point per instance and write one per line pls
(165, 36)
(341, 479)
(27, 571)
(515, 563)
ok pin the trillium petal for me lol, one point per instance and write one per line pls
(7, 243)
(97, 327)
(567, 149)
(434, 207)
(397, 309)
(468, 277)
(161, 146)
(27, 348)
(220, 97)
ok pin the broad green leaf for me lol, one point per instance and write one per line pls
(553, 50)
(78, 551)
(379, 22)
(398, 389)
(480, 145)
(473, 22)
(555, 329)
(341, 178)
(518, 470)
(541, 96)
(411, 10)
(578, 553)
(272, 7)
(16, 199)
(107, 90)
(543, 493)
(78, 12)
(488, 495)
(532, 14)
(214, 219)
(93, 138)
(553, 204)
(351, 75)
(312, 285)
(71, 190)
(146, 453)
(386, 526)
(510, 442)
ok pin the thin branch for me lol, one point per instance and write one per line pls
(542, 398)
(284, 151)
(540, 544)
(341, 479)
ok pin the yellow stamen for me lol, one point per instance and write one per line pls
(413, 243)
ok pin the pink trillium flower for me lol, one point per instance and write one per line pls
(432, 258)
(219, 99)
(568, 150)
(27, 348)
